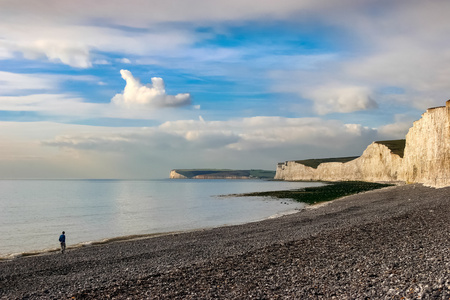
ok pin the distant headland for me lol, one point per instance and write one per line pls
(221, 174)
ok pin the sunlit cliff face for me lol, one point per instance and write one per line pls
(426, 158)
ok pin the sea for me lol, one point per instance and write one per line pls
(33, 213)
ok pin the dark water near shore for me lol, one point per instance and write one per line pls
(34, 212)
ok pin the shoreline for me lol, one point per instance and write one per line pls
(391, 242)
(48, 251)
(38, 236)
(133, 237)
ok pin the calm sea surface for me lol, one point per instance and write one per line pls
(34, 212)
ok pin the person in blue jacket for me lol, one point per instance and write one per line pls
(62, 240)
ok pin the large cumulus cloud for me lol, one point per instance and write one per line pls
(153, 95)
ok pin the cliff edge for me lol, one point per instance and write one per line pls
(423, 157)
(427, 150)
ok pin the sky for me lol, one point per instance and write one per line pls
(132, 89)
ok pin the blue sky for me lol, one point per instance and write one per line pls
(133, 89)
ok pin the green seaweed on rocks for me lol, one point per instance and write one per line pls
(330, 191)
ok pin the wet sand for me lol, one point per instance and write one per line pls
(382, 244)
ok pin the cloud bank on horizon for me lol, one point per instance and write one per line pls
(221, 84)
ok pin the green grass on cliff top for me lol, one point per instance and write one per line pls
(331, 191)
(261, 174)
(314, 163)
(396, 147)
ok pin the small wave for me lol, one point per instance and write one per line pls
(284, 213)
(12, 256)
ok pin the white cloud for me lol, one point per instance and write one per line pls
(5, 54)
(69, 108)
(398, 129)
(77, 45)
(61, 51)
(52, 104)
(140, 13)
(151, 95)
(38, 93)
(125, 61)
(57, 50)
(329, 93)
(358, 130)
(13, 83)
(328, 99)
(25, 84)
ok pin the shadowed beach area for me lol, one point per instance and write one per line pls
(392, 243)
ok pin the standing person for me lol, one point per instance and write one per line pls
(62, 240)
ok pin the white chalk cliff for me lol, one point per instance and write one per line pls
(174, 174)
(427, 150)
(425, 159)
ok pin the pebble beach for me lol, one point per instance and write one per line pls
(392, 243)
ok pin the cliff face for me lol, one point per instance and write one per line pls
(426, 158)
(377, 163)
(175, 175)
(427, 150)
